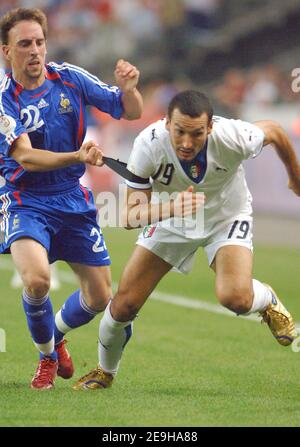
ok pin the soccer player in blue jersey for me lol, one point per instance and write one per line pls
(47, 214)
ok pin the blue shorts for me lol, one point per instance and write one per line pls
(65, 223)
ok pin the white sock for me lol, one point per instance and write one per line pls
(46, 348)
(113, 336)
(262, 297)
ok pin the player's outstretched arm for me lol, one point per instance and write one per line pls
(139, 211)
(127, 78)
(278, 138)
(39, 160)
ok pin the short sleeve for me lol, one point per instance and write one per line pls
(243, 138)
(104, 97)
(140, 163)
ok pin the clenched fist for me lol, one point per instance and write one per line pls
(91, 154)
(126, 75)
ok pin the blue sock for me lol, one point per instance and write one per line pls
(40, 321)
(74, 313)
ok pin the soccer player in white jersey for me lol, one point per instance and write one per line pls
(195, 151)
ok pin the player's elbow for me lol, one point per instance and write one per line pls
(22, 160)
(21, 157)
(27, 165)
(132, 115)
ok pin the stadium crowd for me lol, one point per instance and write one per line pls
(112, 29)
(152, 32)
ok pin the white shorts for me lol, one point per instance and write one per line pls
(180, 252)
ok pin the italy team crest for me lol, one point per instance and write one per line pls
(195, 170)
(148, 231)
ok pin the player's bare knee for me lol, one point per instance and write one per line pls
(238, 300)
(130, 310)
(37, 285)
(123, 310)
(97, 302)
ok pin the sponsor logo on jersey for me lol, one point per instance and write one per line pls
(42, 104)
(39, 313)
(7, 124)
(104, 346)
(218, 168)
(148, 231)
(153, 135)
(65, 104)
(249, 132)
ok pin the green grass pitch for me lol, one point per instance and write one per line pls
(183, 367)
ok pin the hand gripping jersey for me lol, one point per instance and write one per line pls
(54, 116)
(223, 183)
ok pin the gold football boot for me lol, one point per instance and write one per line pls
(279, 320)
(95, 379)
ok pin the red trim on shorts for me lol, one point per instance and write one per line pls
(16, 195)
(86, 193)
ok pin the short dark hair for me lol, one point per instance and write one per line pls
(11, 18)
(192, 103)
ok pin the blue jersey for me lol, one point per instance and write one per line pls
(54, 117)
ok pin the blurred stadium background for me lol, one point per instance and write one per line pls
(241, 53)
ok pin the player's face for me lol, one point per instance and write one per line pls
(188, 135)
(26, 52)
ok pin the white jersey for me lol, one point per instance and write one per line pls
(224, 184)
